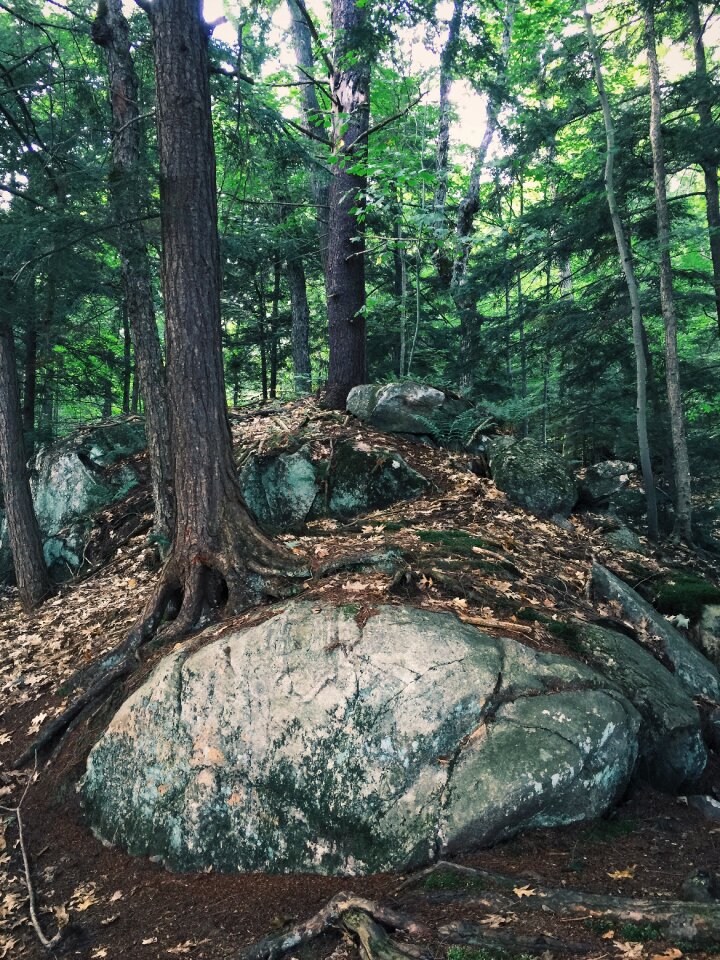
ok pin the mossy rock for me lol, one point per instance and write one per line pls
(533, 476)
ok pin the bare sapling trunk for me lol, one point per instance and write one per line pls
(632, 287)
(219, 557)
(23, 531)
(683, 506)
(300, 333)
(708, 157)
(111, 31)
(345, 276)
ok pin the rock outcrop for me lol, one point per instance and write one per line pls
(284, 490)
(697, 675)
(310, 743)
(406, 407)
(71, 480)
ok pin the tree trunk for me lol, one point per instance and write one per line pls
(313, 118)
(683, 506)
(30, 385)
(638, 329)
(345, 277)
(23, 531)
(300, 311)
(274, 330)
(219, 555)
(708, 157)
(111, 31)
(127, 361)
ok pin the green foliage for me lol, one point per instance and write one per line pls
(484, 953)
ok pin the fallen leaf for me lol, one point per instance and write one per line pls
(608, 936)
(627, 874)
(631, 951)
(524, 892)
(99, 953)
(118, 895)
(149, 940)
(672, 953)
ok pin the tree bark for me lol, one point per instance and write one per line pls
(219, 556)
(111, 31)
(127, 361)
(683, 506)
(345, 277)
(708, 157)
(274, 330)
(23, 530)
(313, 118)
(30, 384)
(295, 273)
(639, 337)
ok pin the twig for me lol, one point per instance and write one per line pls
(48, 944)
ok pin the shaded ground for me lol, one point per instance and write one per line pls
(464, 549)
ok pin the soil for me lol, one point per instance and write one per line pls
(465, 549)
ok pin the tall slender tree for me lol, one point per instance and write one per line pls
(681, 463)
(23, 531)
(111, 31)
(631, 283)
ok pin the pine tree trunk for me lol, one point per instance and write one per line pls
(345, 277)
(274, 330)
(111, 31)
(708, 160)
(295, 273)
(639, 336)
(30, 385)
(219, 556)
(127, 361)
(683, 506)
(23, 531)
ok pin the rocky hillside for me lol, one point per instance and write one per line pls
(534, 663)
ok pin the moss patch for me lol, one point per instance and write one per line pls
(681, 592)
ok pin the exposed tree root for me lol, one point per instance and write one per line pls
(342, 907)
(681, 920)
(472, 934)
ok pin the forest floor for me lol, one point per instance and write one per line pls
(466, 550)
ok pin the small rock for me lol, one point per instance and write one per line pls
(709, 807)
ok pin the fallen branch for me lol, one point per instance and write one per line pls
(277, 945)
(681, 920)
(48, 944)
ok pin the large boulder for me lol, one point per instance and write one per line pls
(671, 742)
(71, 480)
(315, 742)
(405, 407)
(697, 675)
(284, 490)
(532, 476)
